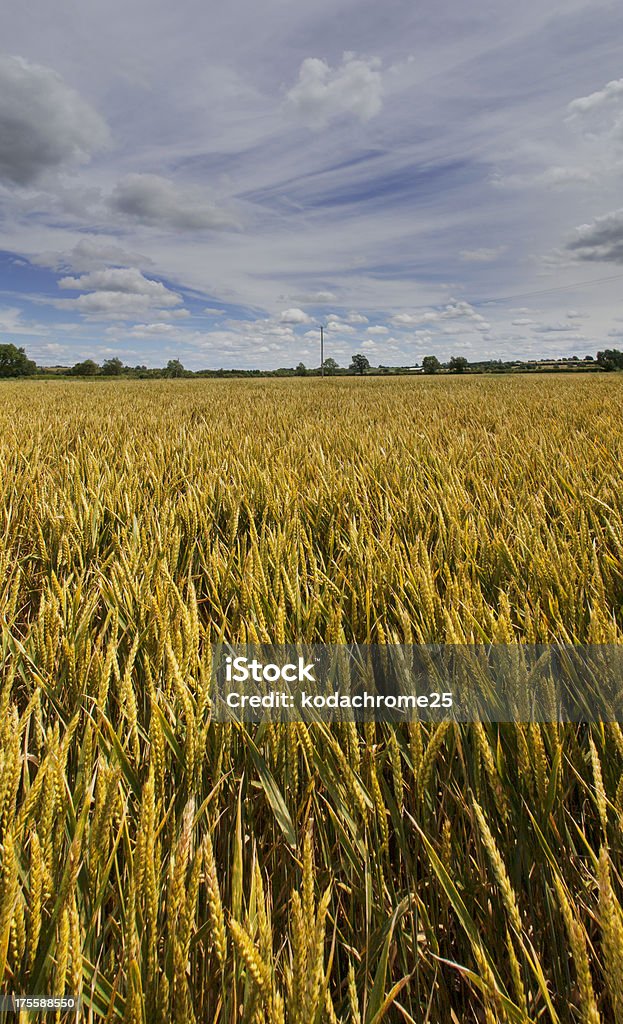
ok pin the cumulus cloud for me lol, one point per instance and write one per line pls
(294, 316)
(454, 310)
(44, 123)
(340, 327)
(552, 328)
(129, 280)
(406, 319)
(585, 104)
(89, 254)
(313, 297)
(599, 116)
(120, 293)
(601, 240)
(151, 199)
(322, 93)
(344, 324)
(108, 304)
(157, 329)
(482, 255)
(377, 330)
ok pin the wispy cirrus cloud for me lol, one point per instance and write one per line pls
(406, 175)
(482, 255)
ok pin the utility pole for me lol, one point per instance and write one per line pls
(321, 351)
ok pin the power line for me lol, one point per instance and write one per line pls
(547, 291)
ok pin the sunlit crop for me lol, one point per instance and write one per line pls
(167, 868)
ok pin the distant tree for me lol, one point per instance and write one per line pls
(330, 366)
(301, 370)
(174, 369)
(430, 364)
(88, 368)
(112, 367)
(610, 359)
(15, 363)
(458, 364)
(359, 364)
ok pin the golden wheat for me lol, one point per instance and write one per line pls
(165, 867)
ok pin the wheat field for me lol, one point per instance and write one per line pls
(167, 868)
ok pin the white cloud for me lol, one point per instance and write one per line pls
(119, 294)
(372, 216)
(157, 329)
(551, 177)
(127, 281)
(44, 123)
(601, 240)
(10, 318)
(311, 298)
(585, 104)
(379, 330)
(482, 255)
(294, 316)
(552, 328)
(89, 254)
(11, 321)
(113, 305)
(406, 319)
(323, 93)
(523, 321)
(456, 309)
(157, 201)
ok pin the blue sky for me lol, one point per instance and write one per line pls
(211, 182)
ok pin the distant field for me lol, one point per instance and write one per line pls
(171, 869)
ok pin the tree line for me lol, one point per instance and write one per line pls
(14, 362)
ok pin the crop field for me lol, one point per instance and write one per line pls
(171, 869)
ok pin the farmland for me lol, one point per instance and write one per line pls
(168, 868)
